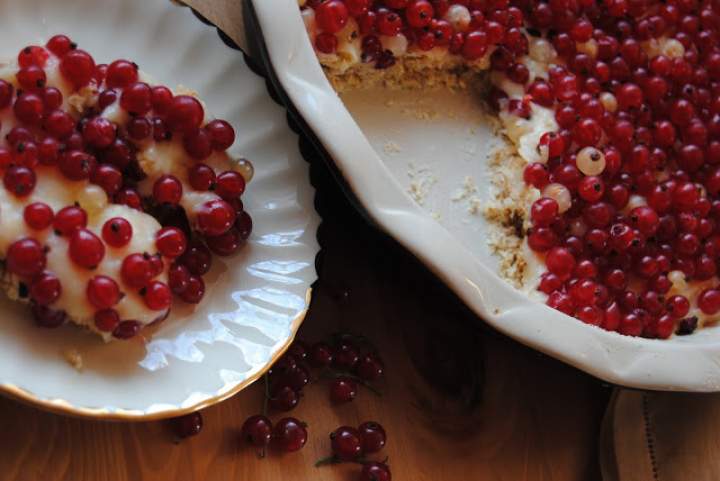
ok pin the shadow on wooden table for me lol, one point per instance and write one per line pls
(459, 401)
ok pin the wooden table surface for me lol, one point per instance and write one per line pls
(459, 402)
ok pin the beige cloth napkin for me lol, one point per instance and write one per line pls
(655, 436)
(226, 14)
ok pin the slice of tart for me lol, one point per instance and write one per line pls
(117, 192)
(612, 110)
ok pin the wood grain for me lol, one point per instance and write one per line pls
(458, 400)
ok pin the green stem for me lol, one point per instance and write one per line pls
(326, 460)
(330, 374)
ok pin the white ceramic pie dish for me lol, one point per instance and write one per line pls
(255, 300)
(689, 363)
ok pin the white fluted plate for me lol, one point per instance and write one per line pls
(406, 157)
(256, 300)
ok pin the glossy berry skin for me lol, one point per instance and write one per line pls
(198, 144)
(222, 134)
(45, 289)
(331, 16)
(108, 177)
(226, 244)
(343, 390)
(345, 443)
(127, 329)
(297, 378)
(137, 98)
(117, 232)
(68, 219)
(29, 108)
(32, 55)
(121, 73)
(229, 185)
(178, 278)
(257, 431)
(38, 215)
(59, 45)
(369, 367)
(170, 242)
(321, 355)
(78, 67)
(167, 189)
(86, 249)
(20, 180)
(188, 425)
(372, 436)
(185, 113)
(107, 320)
(215, 217)
(197, 259)
(25, 258)
(289, 434)
(31, 77)
(136, 271)
(374, 471)
(194, 291)
(201, 177)
(345, 356)
(99, 132)
(47, 317)
(284, 398)
(77, 165)
(103, 292)
(157, 295)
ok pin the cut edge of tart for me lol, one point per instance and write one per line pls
(117, 191)
(606, 195)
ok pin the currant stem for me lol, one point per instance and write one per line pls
(327, 460)
(330, 374)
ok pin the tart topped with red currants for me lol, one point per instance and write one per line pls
(609, 198)
(117, 191)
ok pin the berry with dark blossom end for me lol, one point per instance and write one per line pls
(372, 436)
(321, 355)
(289, 434)
(117, 232)
(374, 471)
(257, 431)
(25, 257)
(346, 443)
(188, 425)
(86, 249)
(345, 356)
(342, 390)
(121, 73)
(369, 367)
(20, 180)
(284, 398)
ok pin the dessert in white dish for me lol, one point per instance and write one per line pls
(117, 191)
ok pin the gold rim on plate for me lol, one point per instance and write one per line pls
(61, 406)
